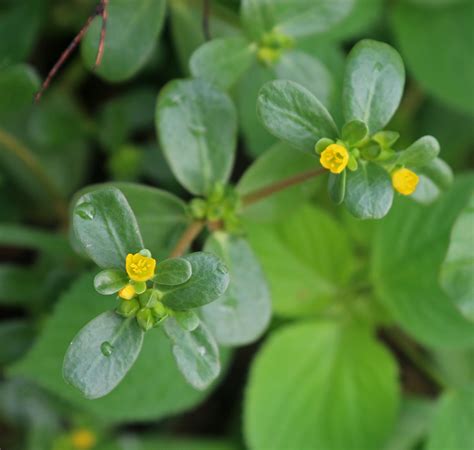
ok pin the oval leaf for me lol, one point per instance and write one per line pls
(243, 313)
(292, 113)
(196, 353)
(102, 353)
(110, 281)
(222, 61)
(338, 387)
(420, 153)
(173, 271)
(457, 270)
(106, 227)
(132, 29)
(405, 270)
(209, 280)
(373, 84)
(295, 18)
(337, 187)
(369, 192)
(197, 126)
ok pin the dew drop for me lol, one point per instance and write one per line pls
(85, 211)
(201, 351)
(176, 99)
(106, 348)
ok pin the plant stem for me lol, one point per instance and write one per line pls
(16, 148)
(205, 19)
(274, 188)
(416, 358)
(191, 233)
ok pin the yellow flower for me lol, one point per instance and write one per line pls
(268, 55)
(335, 158)
(405, 181)
(139, 267)
(83, 439)
(127, 292)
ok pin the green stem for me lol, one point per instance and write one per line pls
(20, 151)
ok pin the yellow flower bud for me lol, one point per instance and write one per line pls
(139, 267)
(127, 293)
(335, 158)
(83, 439)
(268, 55)
(405, 181)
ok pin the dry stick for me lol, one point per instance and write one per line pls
(14, 146)
(104, 14)
(206, 9)
(101, 10)
(266, 191)
(191, 233)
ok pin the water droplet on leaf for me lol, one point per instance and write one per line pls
(198, 130)
(106, 348)
(201, 351)
(85, 210)
(222, 269)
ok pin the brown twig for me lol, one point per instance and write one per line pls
(271, 189)
(187, 238)
(101, 10)
(206, 9)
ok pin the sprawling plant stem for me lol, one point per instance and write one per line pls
(12, 145)
(195, 228)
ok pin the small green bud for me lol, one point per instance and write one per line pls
(145, 252)
(145, 319)
(188, 320)
(352, 163)
(139, 286)
(149, 298)
(354, 132)
(386, 138)
(371, 152)
(198, 208)
(128, 308)
(159, 310)
(322, 144)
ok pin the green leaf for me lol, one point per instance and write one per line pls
(149, 441)
(106, 227)
(42, 365)
(405, 270)
(243, 313)
(173, 271)
(373, 84)
(17, 336)
(18, 85)
(452, 426)
(354, 132)
(197, 126)
(132, 29)
(294, 18)
(19, 285)
(457, 270)
(223, 61)
(110, 281)
(369, 192)
(292, 113)
(434, 178)
(420, 153)
(209, 280)
(453, 80)
(413, 424)
(338, 387)
(308, 71)
(276, 164)
(102, 353)
(19, 25)
(307, 259)
(196, 353)
(337, 187)
(187, 320)
(15, 235)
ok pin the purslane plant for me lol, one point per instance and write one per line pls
(220, 296)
